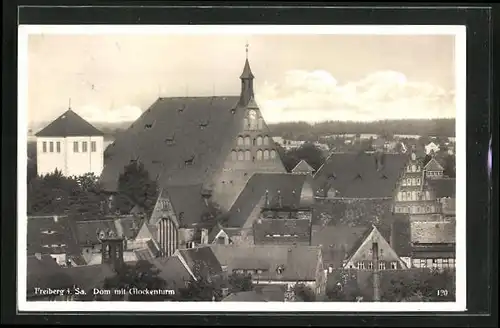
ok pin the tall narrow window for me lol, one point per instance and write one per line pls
(252, 117)
(234, 155)
(93, 146)
(418, 181)
(248, 156)
(240, 141)
(84, 146)
(273, 154)
(241, 155)
(259, 155)
(51, 147)
(75, 146)
(414, 168)
(261, 123)
(44, 146)
(266, 140)
(266, 154)
(381, 265)
(259, 141)
(247, 141)
(58, 146)
(394, 265)
(413, 182)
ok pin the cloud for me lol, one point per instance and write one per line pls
(317, 95)
(127, 113)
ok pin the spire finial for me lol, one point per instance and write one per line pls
(69, 104)
(246, 49)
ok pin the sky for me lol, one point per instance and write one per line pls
(113, 78)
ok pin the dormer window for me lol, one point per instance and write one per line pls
(148, 126)
(189, 161)
(204, 124)
(280, 269)
(384, 177)
(358, 176)
(170, 140)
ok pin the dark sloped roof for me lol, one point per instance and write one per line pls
(357, 175)
(45, 273)
(188, 203)
(69, 124)
(255, 191)
(89, 276)
(130, 226)
(270, 293)
(443, 187)
(433, 165)
(433, 232)
(401, 235)
(201, 261)
(289, 230)
(87, 231)
(299, 262)
(171, 132)
(47, 235)
(250, 296)
(173, 272)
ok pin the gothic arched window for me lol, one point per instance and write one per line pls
(248, 156)
(259, 141)
(234, 155)
(266, 140)
(414, 195)
(273, 154)
(241, 155)
(414, 168)
(259, 155)
(240, 141)
(247, 141)
(266, 154)
(252, 117)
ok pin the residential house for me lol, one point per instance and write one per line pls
(54, 236)
(351, 247)
(204, 147)
(276, 264)
(433, 241)
(70, 145)
(433, 169)
(414, 195)
(431, 148)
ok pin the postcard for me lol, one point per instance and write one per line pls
(273, 168)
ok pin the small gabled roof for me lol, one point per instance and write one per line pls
(303, 167)
(52, 235)
(433, 165)
(69, 124)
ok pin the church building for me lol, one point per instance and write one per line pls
(201, 151)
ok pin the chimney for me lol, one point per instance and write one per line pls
(267, 198)
(376, 273)
(393, 233)
(56, 218)
(38, 256)
(204, 236)
(280, 200)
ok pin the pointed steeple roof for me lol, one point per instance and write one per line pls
(69, 124)
(247, 71)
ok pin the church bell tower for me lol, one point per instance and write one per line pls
(246, 82)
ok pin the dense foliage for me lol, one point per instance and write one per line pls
(308, 152)
(240, 282)
(306, 131)
(303, 293)
(135, 187)
(56, 194)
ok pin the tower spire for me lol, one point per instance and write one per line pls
(246, 81)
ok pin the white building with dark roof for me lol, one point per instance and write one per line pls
(71, 145)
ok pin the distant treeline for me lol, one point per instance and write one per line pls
(302, 130)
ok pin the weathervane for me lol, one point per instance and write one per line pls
(246, 49)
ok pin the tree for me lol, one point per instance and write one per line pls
(142, 276)
(135, 187)
(201, 289)
(449, 166)
(308, 152)
(343, 286)
(303, 293)
(240, 283)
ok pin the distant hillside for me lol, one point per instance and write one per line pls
(305, 131)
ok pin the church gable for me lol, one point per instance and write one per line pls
(364, 251)
(163, 209)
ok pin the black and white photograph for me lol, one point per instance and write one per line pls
(315, 168)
